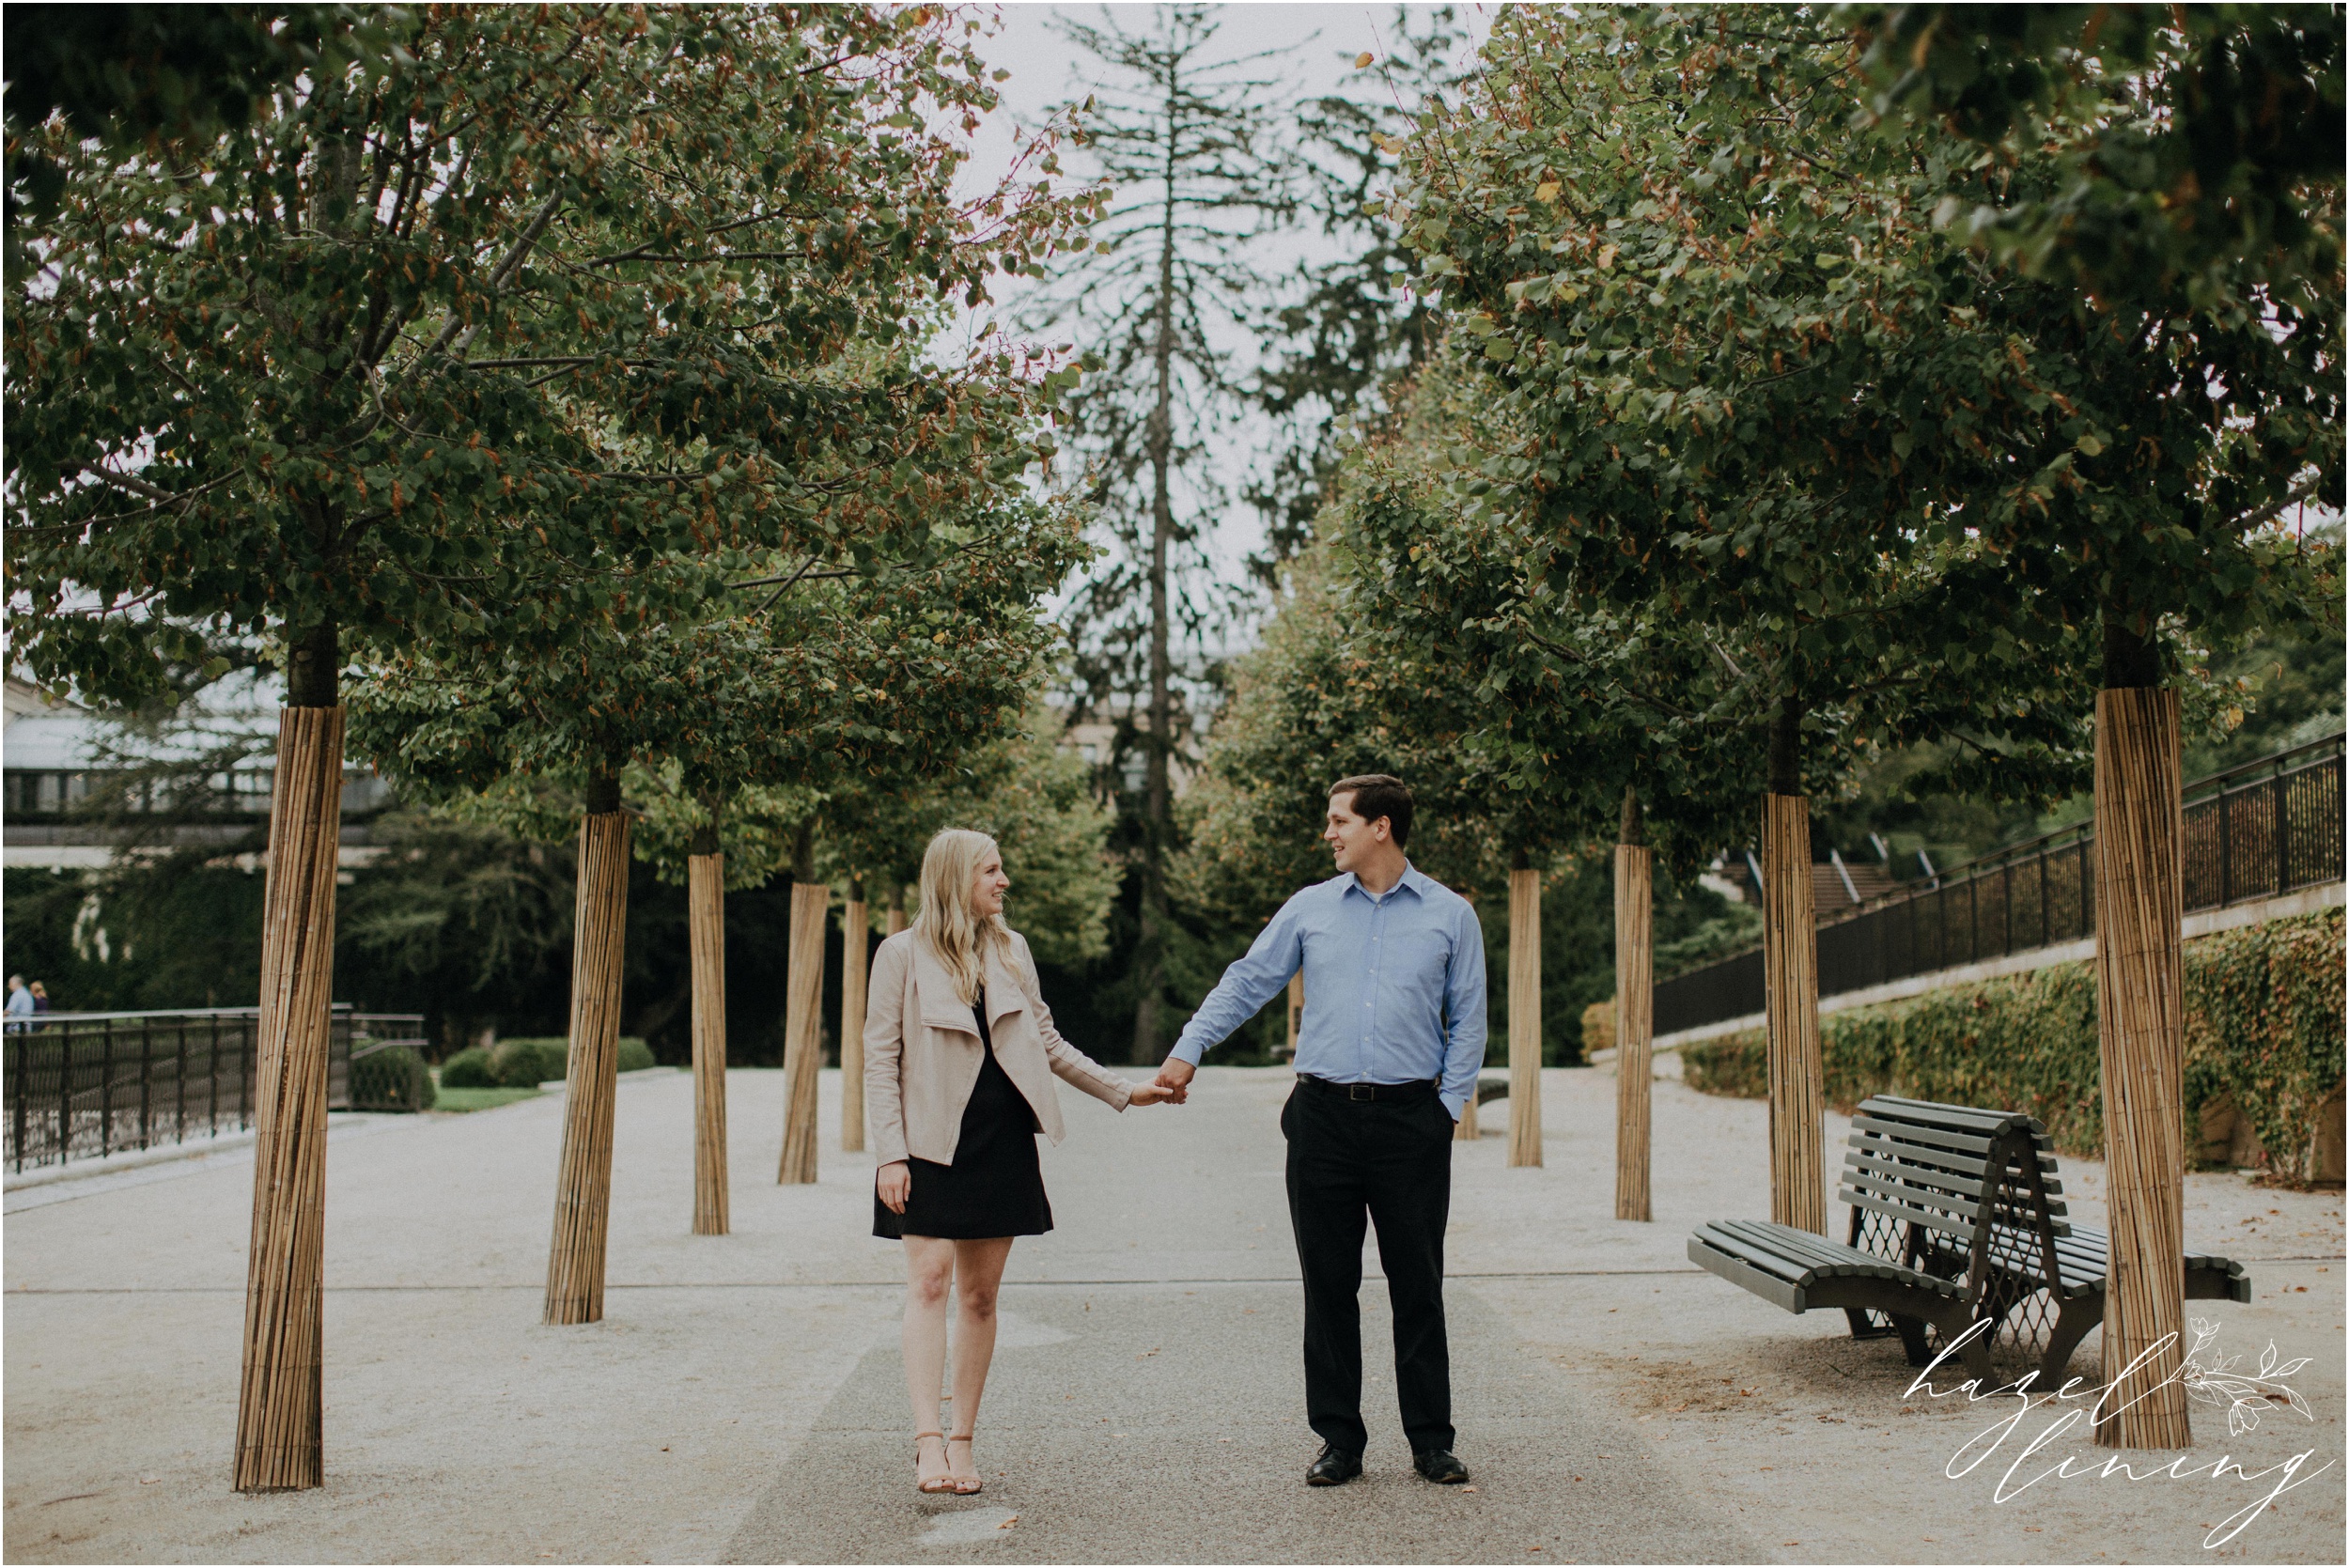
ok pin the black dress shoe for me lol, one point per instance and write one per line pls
(1335, 1467)
(1441, 1466)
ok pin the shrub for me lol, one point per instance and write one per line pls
(2263, 1024)
(1598, 1028)
(468, 1069)
(525, 1062)
(393, 1079)
(1733, 1064)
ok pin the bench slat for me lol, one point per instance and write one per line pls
(1907, 1174)
(1912, 1132)
(1923, 1156)
(1866, 1128)
(1782, 1241)
(1827, 1259)
(1937, 1112)
(1909, 1213)
(1794, 1270)
(1804, 1260)
(1738, 1272)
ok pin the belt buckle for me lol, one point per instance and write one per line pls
(1362, 1091)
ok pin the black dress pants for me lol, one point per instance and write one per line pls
(1388, 1159)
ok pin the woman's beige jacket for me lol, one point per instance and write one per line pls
(921, 1050)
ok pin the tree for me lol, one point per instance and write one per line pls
(2178, 173)
(2196, 150)
(1181, 133)
(169, 78)
(1814, 422)
(309, 409)
(1718, 338)
(1354, 324)
(1571, 719)
(761, 708)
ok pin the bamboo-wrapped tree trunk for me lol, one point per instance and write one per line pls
(706, 922)
(896, 921)
(802, 1017)
(2141, 1043)
(1790, 966)
(1525, 1015)
(855, 969)
(280, 1441)
(1635, 1015)
(583, 1192)
(1297, 1009)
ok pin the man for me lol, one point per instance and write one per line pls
(1387, 1054)
(20, 1004)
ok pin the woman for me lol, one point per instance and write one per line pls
(959, 1054)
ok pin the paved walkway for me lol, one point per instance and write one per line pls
(743, 1401)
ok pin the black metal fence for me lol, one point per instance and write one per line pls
(2264, 828)
(84, 1085)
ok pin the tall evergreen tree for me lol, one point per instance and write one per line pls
(1355, 318)
(1180, 131)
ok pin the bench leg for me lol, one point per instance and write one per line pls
(1975, 1352)
(2073, 1319)
(1863, 1329)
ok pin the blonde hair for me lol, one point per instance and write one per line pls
(955, 930)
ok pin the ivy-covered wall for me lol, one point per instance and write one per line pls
(2263, 1030)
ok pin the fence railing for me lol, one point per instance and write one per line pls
(84, 1085)
(2258, 831)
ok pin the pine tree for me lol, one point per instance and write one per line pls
(1357, 318)
(1183, 137)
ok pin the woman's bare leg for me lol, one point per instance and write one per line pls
(978, 1274)
(929, 1280)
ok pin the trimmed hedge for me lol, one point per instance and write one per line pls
(468, 1069)
(2263, 1025)
(526, 1061)
(393, 1079)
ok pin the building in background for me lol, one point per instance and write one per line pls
(81, 786)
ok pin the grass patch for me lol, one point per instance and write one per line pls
(480, 1099)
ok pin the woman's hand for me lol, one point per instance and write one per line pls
(894, 1185)
(1150, 1094)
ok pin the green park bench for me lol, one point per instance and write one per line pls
(1956, 1219)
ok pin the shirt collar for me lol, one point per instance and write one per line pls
(1412, 877)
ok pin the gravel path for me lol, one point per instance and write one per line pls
(743, 1401)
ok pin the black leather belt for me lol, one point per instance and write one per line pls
(1390, 1092)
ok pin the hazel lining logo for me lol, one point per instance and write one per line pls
(2207, 1378)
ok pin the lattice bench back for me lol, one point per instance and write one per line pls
(1960, 1194)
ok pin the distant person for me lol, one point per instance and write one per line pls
(21, 1003)
(959, 1057)
(1387, 1053)
(40, 996)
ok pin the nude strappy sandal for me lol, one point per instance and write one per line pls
(942, 1481)
(967, 1484)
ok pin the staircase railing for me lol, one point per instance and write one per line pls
(2258, 831)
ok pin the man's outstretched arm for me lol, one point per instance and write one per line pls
(1254, 978)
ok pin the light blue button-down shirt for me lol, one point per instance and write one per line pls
(1394, 987)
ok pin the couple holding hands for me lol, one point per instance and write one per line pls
(960, 1054)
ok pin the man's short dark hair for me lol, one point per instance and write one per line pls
(1377, 794)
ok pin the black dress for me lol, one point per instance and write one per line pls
(995, 1187)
